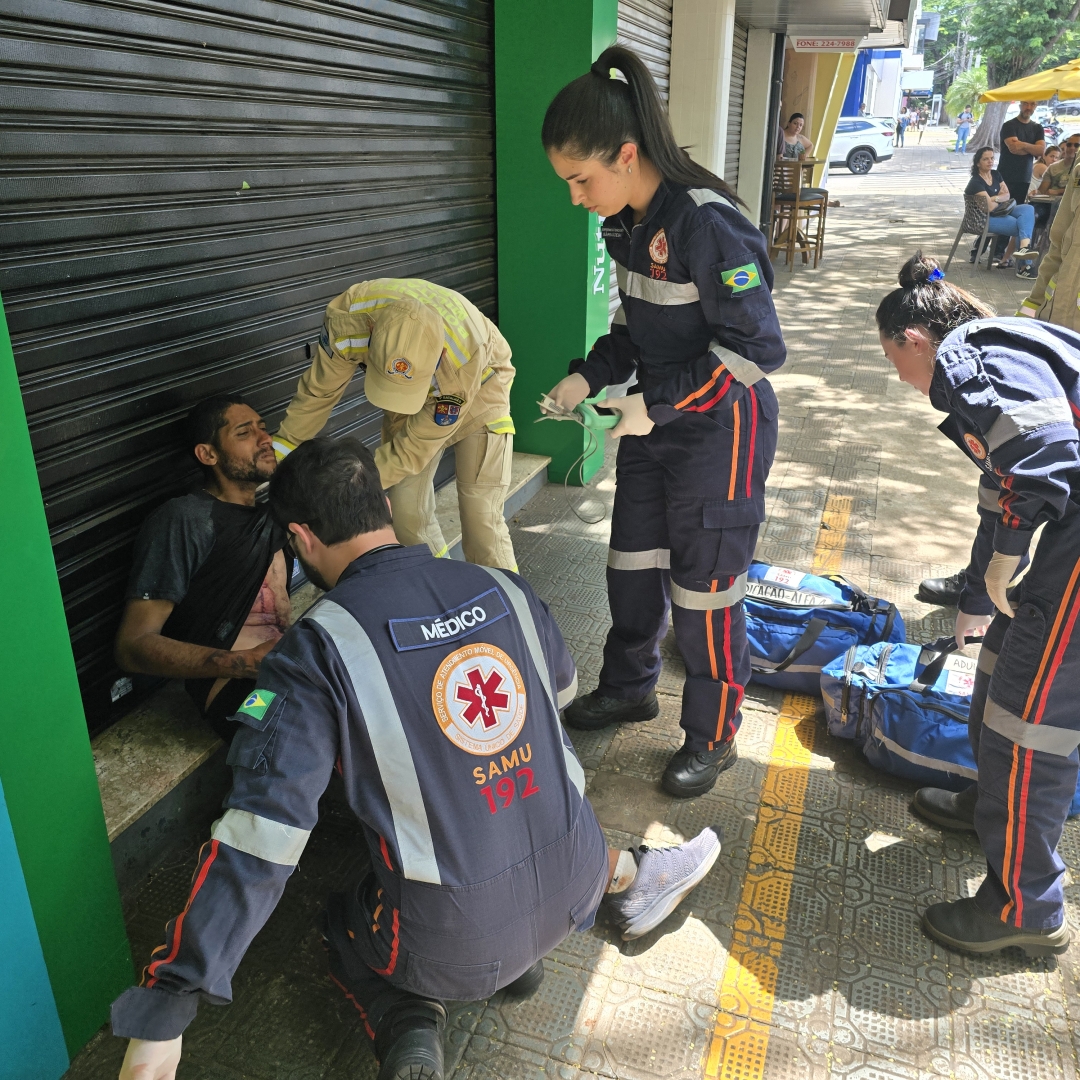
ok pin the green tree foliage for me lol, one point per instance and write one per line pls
(955, 14)
(964, 93)
(1018, 38)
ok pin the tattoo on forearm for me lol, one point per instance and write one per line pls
(229, 664)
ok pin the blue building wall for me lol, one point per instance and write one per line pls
(31, 1039)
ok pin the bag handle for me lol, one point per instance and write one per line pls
(809, 636)
(944, 646)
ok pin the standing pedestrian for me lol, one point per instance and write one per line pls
(1022, 143)
(963, 130)
(698, 327)
(1011, 390)
(901, 126)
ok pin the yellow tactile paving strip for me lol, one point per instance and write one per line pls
(747, 991)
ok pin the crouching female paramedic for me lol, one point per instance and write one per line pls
(1011, 388)
(698, 327)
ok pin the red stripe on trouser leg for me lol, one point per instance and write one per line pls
(363, 1015)
(389, 969)
(1021, 827)
(750, 447)
(1059, 652)
(384, 851)
(178, 926)
(1006, 862)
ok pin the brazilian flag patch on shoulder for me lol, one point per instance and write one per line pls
(742, 278)
(256, 703)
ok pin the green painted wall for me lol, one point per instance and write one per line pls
(46, 766)
(553, 269)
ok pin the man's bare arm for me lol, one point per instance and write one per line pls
(1017, 147)
(140, 647)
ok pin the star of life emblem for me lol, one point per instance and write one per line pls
(478, 697)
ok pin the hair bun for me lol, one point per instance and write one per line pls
(919, 270)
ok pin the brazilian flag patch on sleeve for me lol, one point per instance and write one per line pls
(256, 703)
(742, 278)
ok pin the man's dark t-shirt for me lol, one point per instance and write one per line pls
(210, 559)
(1016, 168)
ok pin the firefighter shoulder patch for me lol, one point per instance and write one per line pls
(478, 697)
(448, 409)
(974, 444)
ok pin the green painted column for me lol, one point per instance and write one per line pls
(46, 767)
(553, 268)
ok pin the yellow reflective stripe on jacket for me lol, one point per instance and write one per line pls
(504, 425)
(1029, 309)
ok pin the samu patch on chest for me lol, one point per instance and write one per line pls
(448, 409)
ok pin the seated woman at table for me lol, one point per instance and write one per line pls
(1051, 155)
(1056, 178)
(1018, 223)
(792, 144)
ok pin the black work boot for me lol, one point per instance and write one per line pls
(949, 809)
(693, 772)
(409, 1043)
(594, 711)
(528, 982)
(943, 591)
(964, 926)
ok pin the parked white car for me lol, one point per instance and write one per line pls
(862, 141)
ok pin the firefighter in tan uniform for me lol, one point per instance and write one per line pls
(1056, 295)
(441, 372)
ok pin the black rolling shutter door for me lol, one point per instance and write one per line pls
(735, 104)
(186, 186)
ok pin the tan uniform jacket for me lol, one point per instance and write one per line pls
(1057, 291)
(469, 390)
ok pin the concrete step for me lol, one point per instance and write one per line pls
(161, 768)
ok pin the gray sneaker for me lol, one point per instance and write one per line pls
(664, 877)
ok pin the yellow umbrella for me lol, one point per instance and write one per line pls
(1063, 81)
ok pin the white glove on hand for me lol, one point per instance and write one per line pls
(970, 626)
(635, 416)
(570, 392)
(998, 577)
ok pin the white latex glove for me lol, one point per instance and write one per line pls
(148, 1060)
(570, 392)
(998, 578)
(635, 416)
(970, 626)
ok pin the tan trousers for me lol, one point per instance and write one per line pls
(483, 462)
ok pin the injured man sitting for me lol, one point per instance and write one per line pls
(208, 595)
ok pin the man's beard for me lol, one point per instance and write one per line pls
(256, 471)
(313, 575)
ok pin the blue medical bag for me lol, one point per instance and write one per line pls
(907, 707)
(796, 623)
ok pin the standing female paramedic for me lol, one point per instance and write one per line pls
(698, 327)
(1011, 388)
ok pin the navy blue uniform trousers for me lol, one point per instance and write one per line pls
(1024, 729)
(683, 532)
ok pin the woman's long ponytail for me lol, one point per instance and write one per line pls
(616, 103)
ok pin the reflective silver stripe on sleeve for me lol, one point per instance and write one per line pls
(988, 499)
(619, 318)
(568, 695)
(705, 195)
(519, 602)
(708, 601)
(388, 740)
(265, 839)
(663, 293)
(922, 759)
(1028, 417)
(746, 371)
(986, 661)
(653, 559)
(1049, 740)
